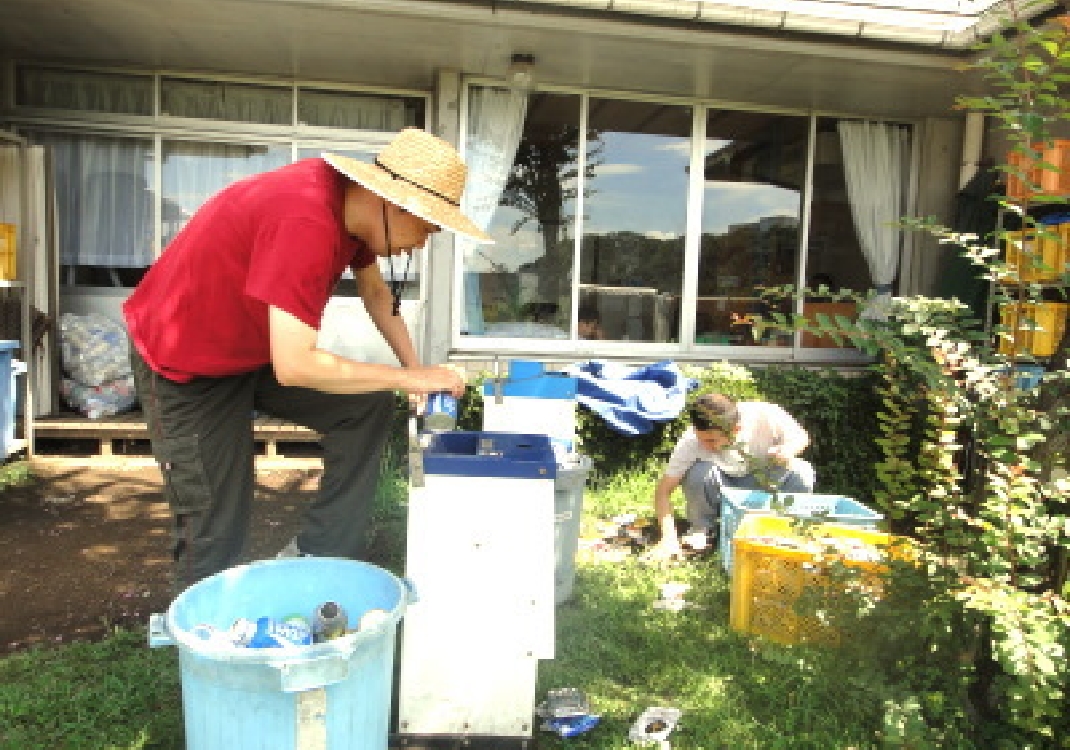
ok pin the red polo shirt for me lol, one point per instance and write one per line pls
(276, 238)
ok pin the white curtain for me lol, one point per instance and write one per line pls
(104, 199)
(495, 126)
(345, 110)
(874, 164)
(115, 93)
(218, 100)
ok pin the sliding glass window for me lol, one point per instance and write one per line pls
(754, 167)
(525, 190)
(523, 155)
(125, 135)
(546, 166)
(632, 254)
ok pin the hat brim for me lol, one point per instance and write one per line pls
(429, 207)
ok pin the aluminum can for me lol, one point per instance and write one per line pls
(295, 630)
(328, 622)
(441, 414)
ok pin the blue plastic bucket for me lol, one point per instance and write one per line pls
(9, 369)
(326, 696)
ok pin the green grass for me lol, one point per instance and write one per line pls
(114, 695)
(734, 693)
(611, 643)
(14, 473)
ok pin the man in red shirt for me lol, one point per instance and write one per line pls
(225, 323)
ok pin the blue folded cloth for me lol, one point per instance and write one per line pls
(631, 399)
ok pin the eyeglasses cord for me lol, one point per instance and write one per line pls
(395, 285)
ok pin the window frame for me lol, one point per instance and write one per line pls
(484, 347)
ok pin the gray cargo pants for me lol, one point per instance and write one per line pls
(202, 438)
(702, 485)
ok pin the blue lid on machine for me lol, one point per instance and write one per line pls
(489, 454)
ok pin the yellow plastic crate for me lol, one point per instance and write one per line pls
(768, 578)
(1050, 319)
(8, 253)
(1042, 259)
(1054, 181)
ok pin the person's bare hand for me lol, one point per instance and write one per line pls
(778, 456)
(665, 551)
(436, 379)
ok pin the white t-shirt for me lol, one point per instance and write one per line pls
(761, 426)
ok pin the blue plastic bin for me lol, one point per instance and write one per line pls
(330, 695)
(9, 371)
(489, 454)
(832, 508)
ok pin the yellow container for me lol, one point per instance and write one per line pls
(8, 252)
(1049, 319)
(772, 569)
(1052, 180)
(1042, 259)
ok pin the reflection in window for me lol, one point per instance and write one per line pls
(632, 255)
(104, 207)
(522, 285)
(193, 172)
(754, 174)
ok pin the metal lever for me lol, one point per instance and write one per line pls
(416, 455)
(498, 396)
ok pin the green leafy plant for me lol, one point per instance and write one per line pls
(973, 461)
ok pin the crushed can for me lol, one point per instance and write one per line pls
(241, 631)
(271, 633)
(654, 725)
(441, 414)
(372, 619)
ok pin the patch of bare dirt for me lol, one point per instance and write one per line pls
(87, 549)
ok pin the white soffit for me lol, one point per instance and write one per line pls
(943, 23)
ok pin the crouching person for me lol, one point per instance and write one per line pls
(745, 445)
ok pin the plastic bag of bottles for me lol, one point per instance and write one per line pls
(94, 350)
(104, 400)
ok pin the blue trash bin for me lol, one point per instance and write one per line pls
(9, 370)
(327, 696)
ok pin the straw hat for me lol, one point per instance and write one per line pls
(420, 173)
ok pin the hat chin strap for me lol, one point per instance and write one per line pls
(395, 285)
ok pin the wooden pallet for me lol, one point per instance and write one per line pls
(268, 431)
